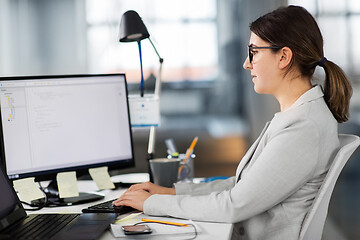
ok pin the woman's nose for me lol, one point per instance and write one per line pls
(247, 65)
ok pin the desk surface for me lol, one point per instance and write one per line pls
(209, 230)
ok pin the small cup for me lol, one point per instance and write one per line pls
(165, 171)
(186, 168)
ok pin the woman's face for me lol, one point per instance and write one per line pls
(264, 67)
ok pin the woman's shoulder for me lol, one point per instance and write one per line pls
(315, 110)
(313, 115)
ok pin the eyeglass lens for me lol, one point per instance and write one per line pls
(250, 55)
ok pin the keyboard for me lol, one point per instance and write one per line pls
(42, 226)
(108, 207)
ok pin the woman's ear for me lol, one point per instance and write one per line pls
(285, 55)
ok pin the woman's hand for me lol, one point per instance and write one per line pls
(134, 199)
(152, 188)
(136, 195)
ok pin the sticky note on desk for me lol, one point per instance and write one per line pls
(27, 189)
(67, 184)
(101, 177)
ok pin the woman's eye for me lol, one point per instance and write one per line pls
(253, 52)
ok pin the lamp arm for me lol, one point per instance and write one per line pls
(158, 82)
(152, 135)
(151, 144)
(157, 53)
(158, 79)
(141, 69)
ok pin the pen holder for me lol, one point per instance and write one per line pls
(186, 168)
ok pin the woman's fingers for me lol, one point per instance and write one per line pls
(134, 199)
(140, 186)
(152, 188)
(136, 195)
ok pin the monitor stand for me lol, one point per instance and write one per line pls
(53, 198)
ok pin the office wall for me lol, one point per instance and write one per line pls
(42, 37)
(6, 45)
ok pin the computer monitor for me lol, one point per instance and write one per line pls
(52, 124)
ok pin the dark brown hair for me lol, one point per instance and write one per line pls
(295, 27)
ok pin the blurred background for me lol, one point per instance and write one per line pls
(205, 91)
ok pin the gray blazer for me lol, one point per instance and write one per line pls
(275, 182)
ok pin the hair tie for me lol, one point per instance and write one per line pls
(322, 61)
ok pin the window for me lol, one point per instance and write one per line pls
(184, 32)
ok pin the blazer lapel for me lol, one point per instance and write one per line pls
(249, 153)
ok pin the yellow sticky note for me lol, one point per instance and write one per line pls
(67, 184)
(27, 189)
(101, 177)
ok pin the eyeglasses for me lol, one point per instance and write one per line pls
(251, 55)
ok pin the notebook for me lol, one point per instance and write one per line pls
(16, 224)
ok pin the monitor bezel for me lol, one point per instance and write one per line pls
(82, 169)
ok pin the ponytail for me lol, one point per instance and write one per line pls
(337, 91)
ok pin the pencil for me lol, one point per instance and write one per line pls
(191, 148)
(165, 222)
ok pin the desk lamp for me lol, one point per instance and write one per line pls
(133, 29)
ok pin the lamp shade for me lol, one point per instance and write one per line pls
(132, 28)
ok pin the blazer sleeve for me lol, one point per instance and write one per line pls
(204, 188)
(285, 164)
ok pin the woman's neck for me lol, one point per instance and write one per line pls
(291, 90)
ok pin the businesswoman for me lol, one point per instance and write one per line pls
(279, 176)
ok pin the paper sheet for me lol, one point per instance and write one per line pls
(27, 189)
(67, 184)
(128, 220)
(101, 177)
(157, 229)
(144, 111)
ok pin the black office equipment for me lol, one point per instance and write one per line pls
(52, 124)
(16, 224)
(108, 207)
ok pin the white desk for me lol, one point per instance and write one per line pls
(219, 231)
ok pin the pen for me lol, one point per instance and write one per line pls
(165, 222)
(170, 144)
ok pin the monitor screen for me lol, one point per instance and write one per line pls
(51, 124)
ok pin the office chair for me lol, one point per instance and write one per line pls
(313, 224)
